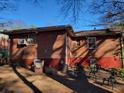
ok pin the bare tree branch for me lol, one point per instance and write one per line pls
(7, 5)
(71, 8)
(111, 10)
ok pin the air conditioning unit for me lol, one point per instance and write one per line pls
(21, 43)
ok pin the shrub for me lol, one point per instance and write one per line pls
(121, 72)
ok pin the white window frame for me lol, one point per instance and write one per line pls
(20, 41)
(89, 42)
(30, 39)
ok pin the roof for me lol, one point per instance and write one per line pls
(100, 32)
(68, 28)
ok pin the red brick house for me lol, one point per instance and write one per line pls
(102, 46)
(58, 44)
(46, 43)
(4, 42)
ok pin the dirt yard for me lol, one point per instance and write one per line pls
(21, 80)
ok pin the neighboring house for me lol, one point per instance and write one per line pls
(59, 44)
(4, 46)
(4, 42)
(4, 49)
(101, 46)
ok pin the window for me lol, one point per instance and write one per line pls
(75, 44)
(92, 61)
(21, 43)
(31, 39)
(91, 42)
(78, 42)
(27, 40)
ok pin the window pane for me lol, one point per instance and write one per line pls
(91, 41)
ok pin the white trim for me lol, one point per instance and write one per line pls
(22, 41)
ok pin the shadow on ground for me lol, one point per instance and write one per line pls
(78, 86)
(28, 83)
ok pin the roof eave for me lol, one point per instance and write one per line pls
(37, 30)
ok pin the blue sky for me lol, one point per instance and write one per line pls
(49, 15)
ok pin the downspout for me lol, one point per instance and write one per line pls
(121, 45)
(65, 68)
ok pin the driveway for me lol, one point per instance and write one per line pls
(21, 80)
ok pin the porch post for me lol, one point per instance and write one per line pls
(10, 49)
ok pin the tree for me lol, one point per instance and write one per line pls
(111, 10)
(12, 24)
(71, 8)
(118, 25)
(7, 5)
(11, 5)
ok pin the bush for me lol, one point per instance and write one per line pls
(121, 72)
